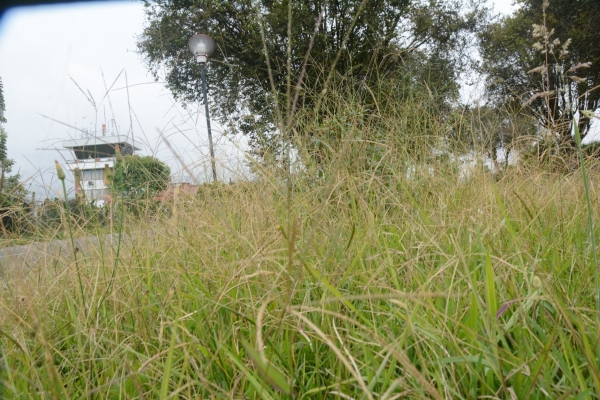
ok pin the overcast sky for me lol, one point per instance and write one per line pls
(46, 51)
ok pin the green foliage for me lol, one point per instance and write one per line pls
(138, 177)
(13, 207)
(2, 105)
(553, 75)
(251, 80)
(5, 162)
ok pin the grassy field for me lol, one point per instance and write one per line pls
(380, 267)
(355, 285)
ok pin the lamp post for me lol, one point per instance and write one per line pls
(202, 46)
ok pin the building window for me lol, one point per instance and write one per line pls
(91, 174)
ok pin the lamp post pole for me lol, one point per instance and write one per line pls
(202, 46)
(210, 141)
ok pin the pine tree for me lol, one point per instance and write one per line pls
(12, 192)
(2, 106)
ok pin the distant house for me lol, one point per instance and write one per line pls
(94, 157)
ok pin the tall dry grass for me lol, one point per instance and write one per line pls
(365, 280)
(365, 263)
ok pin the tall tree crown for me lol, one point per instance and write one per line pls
(366, 39)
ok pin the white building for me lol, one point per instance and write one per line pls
(93, 156)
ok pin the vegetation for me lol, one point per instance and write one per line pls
(557, 74)
(358, 285)
(2, 104)
(308, 43)
(376, 264)
(139, 177)
(13, 207)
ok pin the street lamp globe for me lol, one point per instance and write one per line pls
(202, 46)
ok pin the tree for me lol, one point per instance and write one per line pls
(139, 178)
(361, 39)
(2, 105)
(12, 192)
(545, 56)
